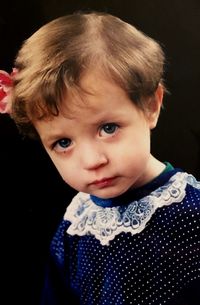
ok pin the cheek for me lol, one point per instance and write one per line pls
(70, 176)
(135, 145)
(132, 154)
(65, 171)
(64, 168)
(70, 173)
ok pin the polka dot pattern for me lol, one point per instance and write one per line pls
(154, 267)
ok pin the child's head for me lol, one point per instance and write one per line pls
(52, 62)
(90, 85)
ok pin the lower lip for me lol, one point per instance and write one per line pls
(104, 183)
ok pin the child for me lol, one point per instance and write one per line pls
(90, 87)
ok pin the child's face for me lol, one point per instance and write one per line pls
(103, 146)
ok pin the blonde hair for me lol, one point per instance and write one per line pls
(54, 58)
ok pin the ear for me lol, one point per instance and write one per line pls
(154, 106)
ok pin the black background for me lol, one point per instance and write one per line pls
(33, 196)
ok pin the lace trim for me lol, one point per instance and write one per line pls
(105, 223)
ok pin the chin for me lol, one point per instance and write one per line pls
(107, 194)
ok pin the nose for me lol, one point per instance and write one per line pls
(92, 156)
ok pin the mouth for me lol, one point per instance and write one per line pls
(103, 182)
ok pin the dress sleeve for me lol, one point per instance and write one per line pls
(56, 290)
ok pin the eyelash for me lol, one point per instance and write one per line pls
(63, 144)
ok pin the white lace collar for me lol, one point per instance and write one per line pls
(105, 223)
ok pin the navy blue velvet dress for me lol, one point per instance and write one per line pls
(141, 248)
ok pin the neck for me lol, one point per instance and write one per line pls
(153, 169)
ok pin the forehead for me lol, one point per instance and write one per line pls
(96, 91)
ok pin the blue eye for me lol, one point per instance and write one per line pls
(108, 129)
(62, 144)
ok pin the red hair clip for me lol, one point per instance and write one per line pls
(6, 85)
